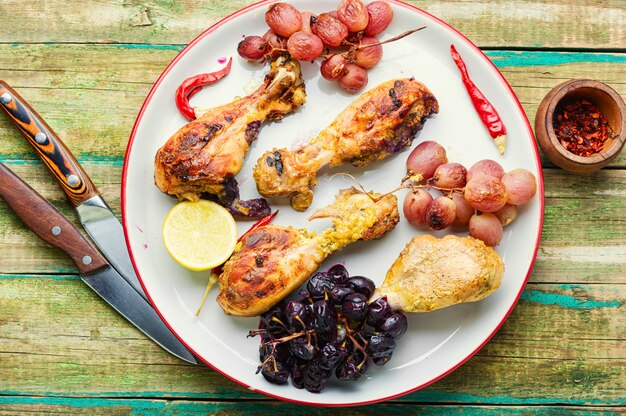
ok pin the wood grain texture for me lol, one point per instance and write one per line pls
(50, 148)
(87, 67)
(106, 85)
(582, 240)
(69, 342)
(528, 23)
(42, 218)
(112, 407)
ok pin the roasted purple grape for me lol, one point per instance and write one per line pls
(354, 307)
(362, 285)
(377, 312)
(324, 316)
(319, 284)
(298, 315)
(394, 325)
(275, 372)
(329, 329)
(380, 345)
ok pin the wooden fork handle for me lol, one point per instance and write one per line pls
(64, 167)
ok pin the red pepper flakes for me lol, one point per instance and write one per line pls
(580, 127)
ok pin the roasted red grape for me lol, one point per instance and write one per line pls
(380, 16)
(353, 14)
(275, 43)
(441, 213)
(354, 78)
(520, 185)
(486, 227)
(485, 193)
(329, 29)
(252, 48)
(368, 56)
(449, 176)
(416, 205)
(507, 214)
(425, 159)
(485, 167)
(283, 19)
(464, 211)
(305, 46)
(333, 67)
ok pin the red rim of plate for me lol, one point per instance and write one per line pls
(420, 386)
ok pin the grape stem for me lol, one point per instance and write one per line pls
(393, 39)
(411, 186)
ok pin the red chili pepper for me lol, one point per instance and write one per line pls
(189, 87)
(260, 223)
(486, 111)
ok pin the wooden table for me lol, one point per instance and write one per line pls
(87, 67)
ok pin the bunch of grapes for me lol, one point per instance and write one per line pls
(330, 328)
(483, 198)
(306, 36)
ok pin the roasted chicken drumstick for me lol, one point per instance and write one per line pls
(379, 123)
(272, 261)
(205, 155)
(432, 273)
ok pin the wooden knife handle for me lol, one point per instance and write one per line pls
(66, 170)
(47, 222)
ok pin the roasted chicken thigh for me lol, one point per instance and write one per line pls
(272, 261)
(205, 155)
(432, 273)
(379, 123)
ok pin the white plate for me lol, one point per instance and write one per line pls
(436, 343)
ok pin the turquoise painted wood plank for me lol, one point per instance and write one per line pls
(109, 406)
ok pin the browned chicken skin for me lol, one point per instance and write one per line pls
(379, 123)
(205, 155)
(272, 261)
(432, 273)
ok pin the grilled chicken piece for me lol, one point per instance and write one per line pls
(432, 273)
(379, 123)
(272, 261)
(205, 155)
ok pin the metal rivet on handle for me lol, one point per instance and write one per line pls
(40, 138)
(5, 98)
(56, 230)
(72, 180)
(86, 260)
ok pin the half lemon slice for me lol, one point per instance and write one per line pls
(199, 235)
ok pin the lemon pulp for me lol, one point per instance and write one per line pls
(199, 235)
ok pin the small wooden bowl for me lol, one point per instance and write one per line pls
(613, 109)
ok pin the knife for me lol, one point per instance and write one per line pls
(93, 212)
(49, 224)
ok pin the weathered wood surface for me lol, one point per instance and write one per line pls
(527, 23)
(68, 342)
(87, 67)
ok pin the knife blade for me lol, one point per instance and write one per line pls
(51, 226)
(93, 212)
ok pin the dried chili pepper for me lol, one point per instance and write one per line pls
(486, 111)
(217, 271)
(260, 223)
(189, 87)
(580, 127)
